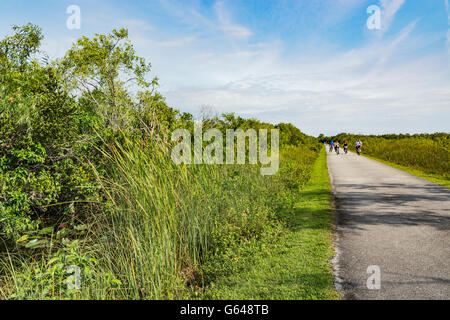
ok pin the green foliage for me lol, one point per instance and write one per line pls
(41, 163)
(289, 134)
(297, 165)
(16, 50)
(291, 259)
(103, 69)
(292, 136)
(49, 278)
(167, 220)
(255, 222)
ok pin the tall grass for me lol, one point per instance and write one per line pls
(424, 154)
(165, 219)
(160, 222)
(153, 236)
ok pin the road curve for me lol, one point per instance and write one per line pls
(391, 219)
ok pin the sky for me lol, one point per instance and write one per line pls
(313, 63)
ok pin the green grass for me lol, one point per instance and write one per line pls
(163, 225)
(294, 263)
(180, 232)
(433, 177)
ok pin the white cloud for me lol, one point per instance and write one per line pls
(136, 24)
(222, 21)
(377, 88)
(388, 11)
(387, 85)
(448, 11)
(227, 26)
(145, 42)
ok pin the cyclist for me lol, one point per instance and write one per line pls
(345, 147)
(358, 146)
(331, 146)
(337, 147)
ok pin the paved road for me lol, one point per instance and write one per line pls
(391, 219)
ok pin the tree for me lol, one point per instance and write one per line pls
(103, 69)
(291, 135)
(41, 163)
(18, 49)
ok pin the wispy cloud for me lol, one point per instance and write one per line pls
(136, 24)
(221, 22)
(389, 9)
(370, 89)
(227, 26)
(448, 10)
(149, 43)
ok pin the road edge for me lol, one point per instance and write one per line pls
(338, 281)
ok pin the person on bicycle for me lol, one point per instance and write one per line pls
(345, 147)
(337, 147)
(358, 146)
(331, 146)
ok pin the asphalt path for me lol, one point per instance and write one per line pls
(392, 222)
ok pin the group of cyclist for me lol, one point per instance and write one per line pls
(335, 146)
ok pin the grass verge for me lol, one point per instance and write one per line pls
(436, 178)
(294, 263)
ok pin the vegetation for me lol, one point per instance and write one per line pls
(88, 187)
(292, 265)
(425, 155)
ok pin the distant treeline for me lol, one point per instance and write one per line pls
(439, 136)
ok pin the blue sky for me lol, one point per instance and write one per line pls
(310, 62)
